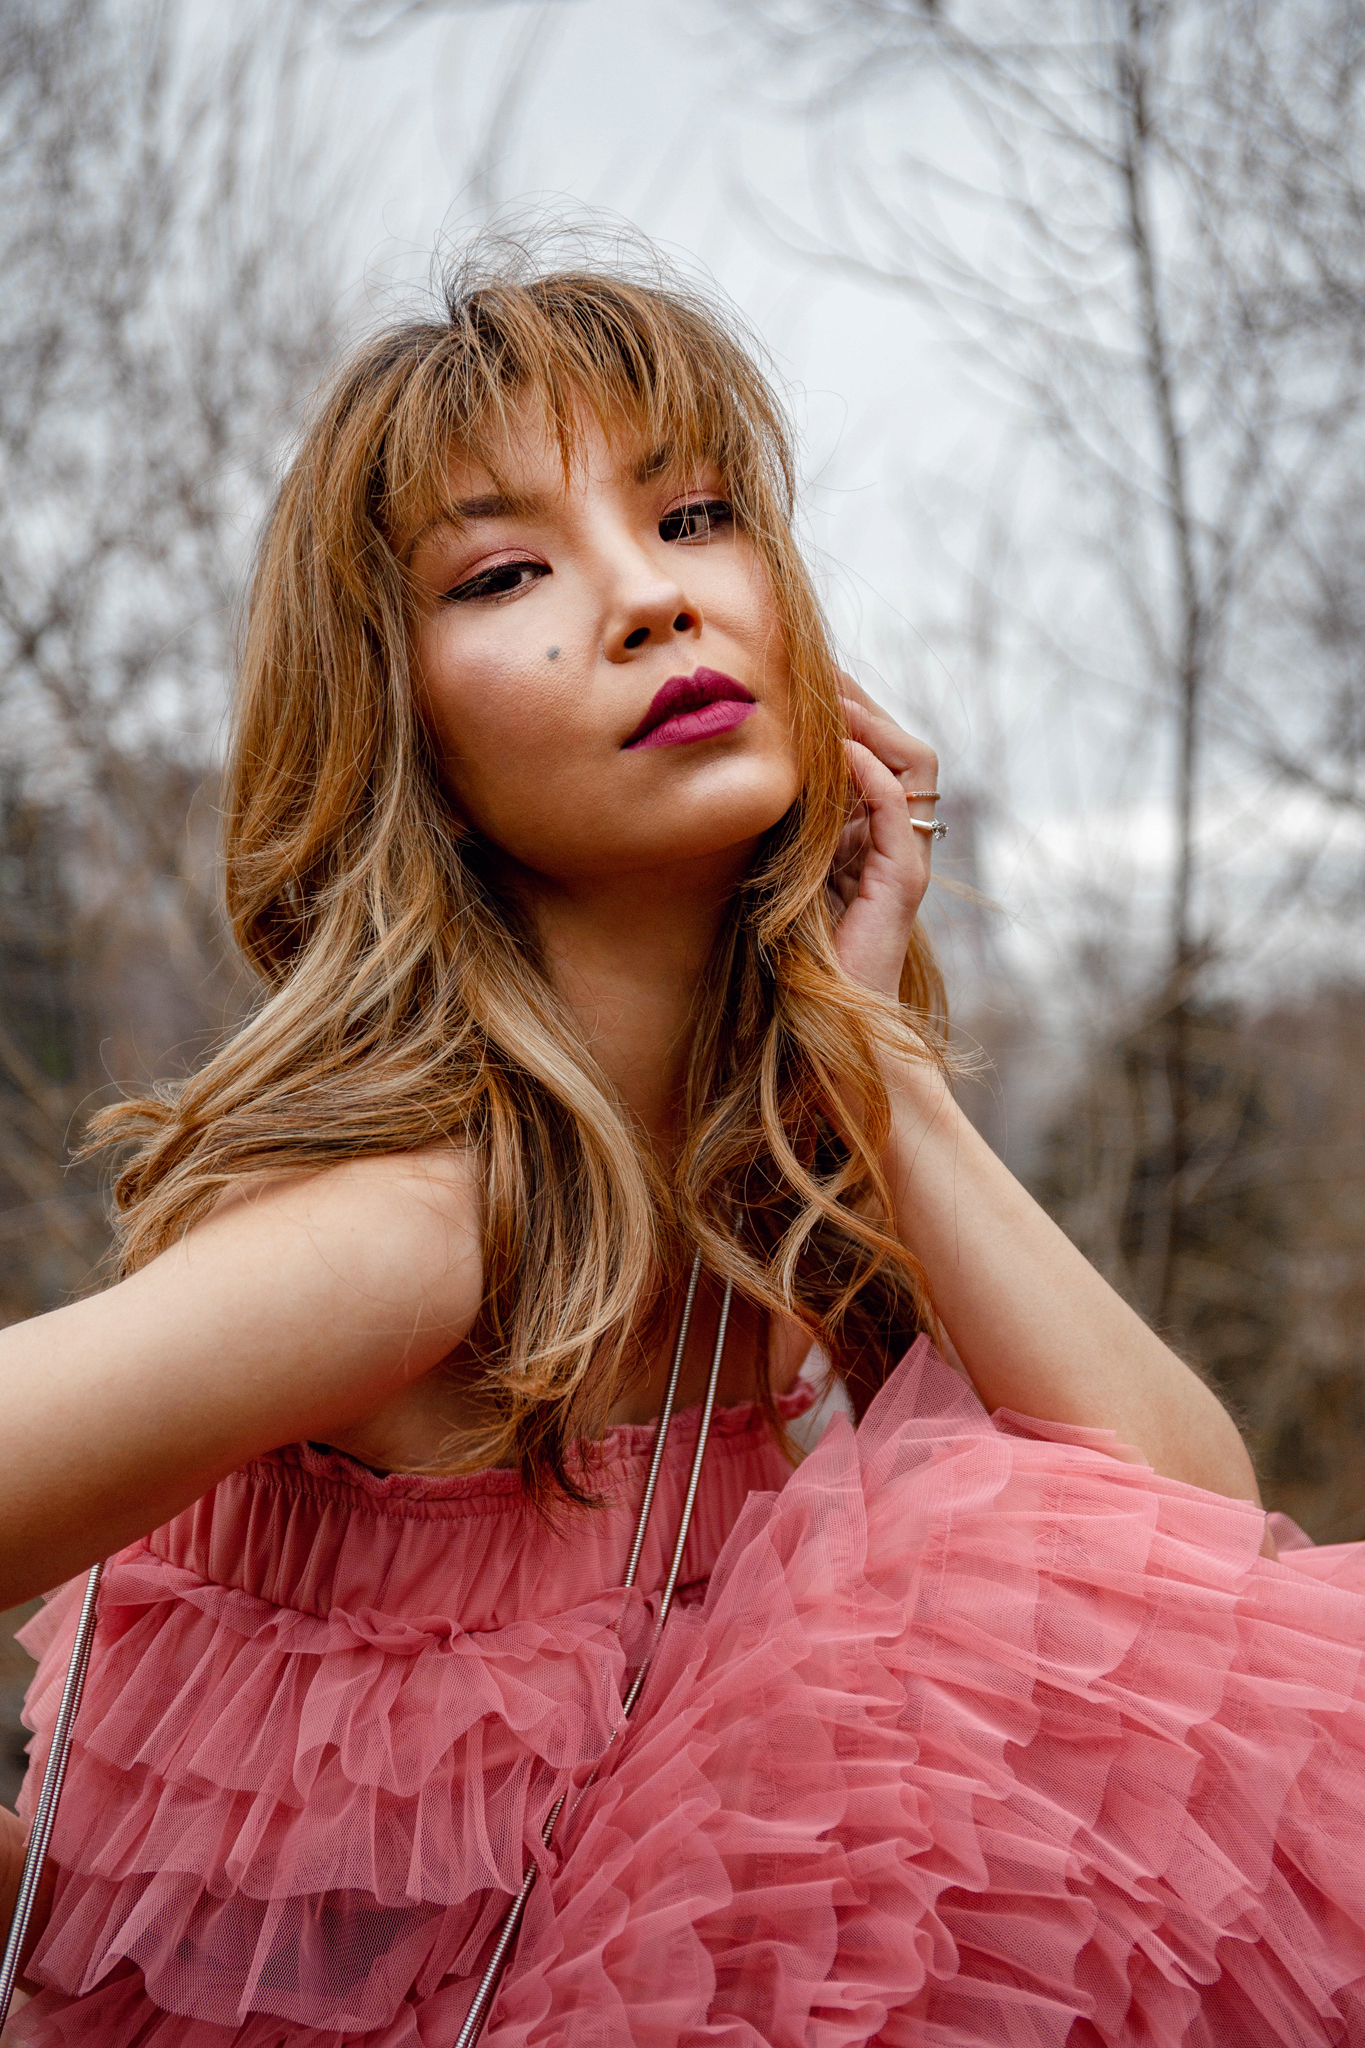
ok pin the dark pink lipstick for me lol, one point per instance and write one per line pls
(696, 707)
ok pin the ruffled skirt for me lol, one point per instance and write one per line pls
(980, 1733)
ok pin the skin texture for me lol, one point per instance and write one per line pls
(321, 1308)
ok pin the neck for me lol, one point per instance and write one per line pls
(626, 954)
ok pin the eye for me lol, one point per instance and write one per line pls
(504, 579)
(698, 519)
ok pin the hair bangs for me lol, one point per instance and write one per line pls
(573, 349)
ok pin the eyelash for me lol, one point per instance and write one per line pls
(712, 513)
(481, 586)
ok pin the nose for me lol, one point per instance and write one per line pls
(652, 613)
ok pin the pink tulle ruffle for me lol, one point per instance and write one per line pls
(981, 1734)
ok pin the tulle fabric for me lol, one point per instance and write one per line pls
(969, 1731)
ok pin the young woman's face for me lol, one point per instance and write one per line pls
(601, 664)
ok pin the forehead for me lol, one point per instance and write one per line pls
(526, 467)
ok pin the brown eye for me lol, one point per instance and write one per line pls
(697, 520)
(505, 579)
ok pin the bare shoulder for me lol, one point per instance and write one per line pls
(297, 1308)
(399, 1229)
(442, 1179)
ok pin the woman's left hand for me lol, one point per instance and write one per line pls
(881, 864)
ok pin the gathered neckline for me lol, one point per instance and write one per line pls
(622, 1447)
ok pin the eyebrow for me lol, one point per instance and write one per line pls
(490, 505)
(654, 464)
(514, 505)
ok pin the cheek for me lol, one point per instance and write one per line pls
(494, 715)
(513, 758)
(757, 623)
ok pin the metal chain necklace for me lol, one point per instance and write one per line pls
(497, 1962)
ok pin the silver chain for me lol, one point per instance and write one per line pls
(54, 1777)
(497, 1962)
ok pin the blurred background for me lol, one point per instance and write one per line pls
(1069, 300)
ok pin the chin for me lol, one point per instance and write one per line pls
(737, 819)
(715, 817)
(744, 799)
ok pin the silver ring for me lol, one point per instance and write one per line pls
(936, 830)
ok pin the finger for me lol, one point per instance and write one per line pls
(851, 844)
(874, 931)
(842, 891)
(852, 692)
(845, 874)
(849, 687)
(902, 753)
(890, 833)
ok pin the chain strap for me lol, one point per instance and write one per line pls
(54, 1777)
(497, 1962)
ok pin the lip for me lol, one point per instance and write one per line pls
(701, 706)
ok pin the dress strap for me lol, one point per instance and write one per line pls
(497, 1962)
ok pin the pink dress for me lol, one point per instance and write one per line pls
(968, 1731)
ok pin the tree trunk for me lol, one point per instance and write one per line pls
(1164, 1237)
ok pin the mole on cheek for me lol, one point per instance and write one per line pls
(552, 654)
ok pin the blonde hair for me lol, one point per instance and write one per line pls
(402, 1003)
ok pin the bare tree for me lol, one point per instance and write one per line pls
(168, 246)
(1142, 220)
(170, 273)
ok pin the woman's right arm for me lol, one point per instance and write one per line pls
(292, 1312)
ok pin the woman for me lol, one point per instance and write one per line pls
(997, 1720)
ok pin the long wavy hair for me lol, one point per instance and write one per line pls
(403, 1003)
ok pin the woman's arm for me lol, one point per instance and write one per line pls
(1033, 1323)
(1035, 1326)
(290, 1313)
